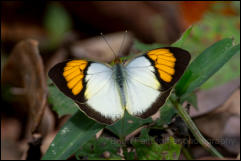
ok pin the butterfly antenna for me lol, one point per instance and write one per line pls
(108, 45)
(122, 43)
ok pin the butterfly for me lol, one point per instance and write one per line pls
(140, 85)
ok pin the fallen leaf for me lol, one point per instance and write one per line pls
(11, 150)
(223, 124)
(47, 140)
(211, 99)
(47, 123)
(10, 133)
(231, 134)
(13, 33)
(10, 128)
(24, 71)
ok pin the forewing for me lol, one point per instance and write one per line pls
(91, 86)
(169, 63)
(150, 78)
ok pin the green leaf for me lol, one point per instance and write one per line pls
(57, 22)
(148, 149)
(145, 47)
(77, 131)
(167, 112)
(205, 65)
(127, 125)
(129, 155)
(61, 104)
(179, 42)
(192, 99)
(95, 148)
(229, 72)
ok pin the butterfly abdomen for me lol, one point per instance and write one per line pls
(119, 77)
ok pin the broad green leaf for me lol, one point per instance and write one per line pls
(179, 42)
(145, 47)
(191, 99)
(127, 125)
(60, 103)
(95, 148)
(148, 149)
(229, 72)
(129, 155)
(205, 65)
(77, 131)
(216, 27)
(167, 112)
(57, 22)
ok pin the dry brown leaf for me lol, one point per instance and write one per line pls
(24, 71)
(223, 124)
(47, 123)
(99, 133)
(10, 129)
(211, 99)
(13, 33)
(134, 133)
(47, 141)
(231, 133)
(11, 150)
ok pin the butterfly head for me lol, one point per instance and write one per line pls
(118, 60)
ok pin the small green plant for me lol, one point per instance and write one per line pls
(77, 136)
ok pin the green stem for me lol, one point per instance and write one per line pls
(192, 127)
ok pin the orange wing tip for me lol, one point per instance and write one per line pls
(166, 69)
(167, 63)
(158, 51)
(73, 74)
(165, 77)
(153, 57)
(76, 63)
(77, 88)
(74, 81)
(167, 58)
(164, 62)
(70, 71)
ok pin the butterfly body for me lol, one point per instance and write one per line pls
(119, 75)
(140, 85)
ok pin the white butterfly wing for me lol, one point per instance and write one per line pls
(143, 97)
(151, 77)
(102, 95)
(91, 86)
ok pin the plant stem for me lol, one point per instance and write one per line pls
(192, 127)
